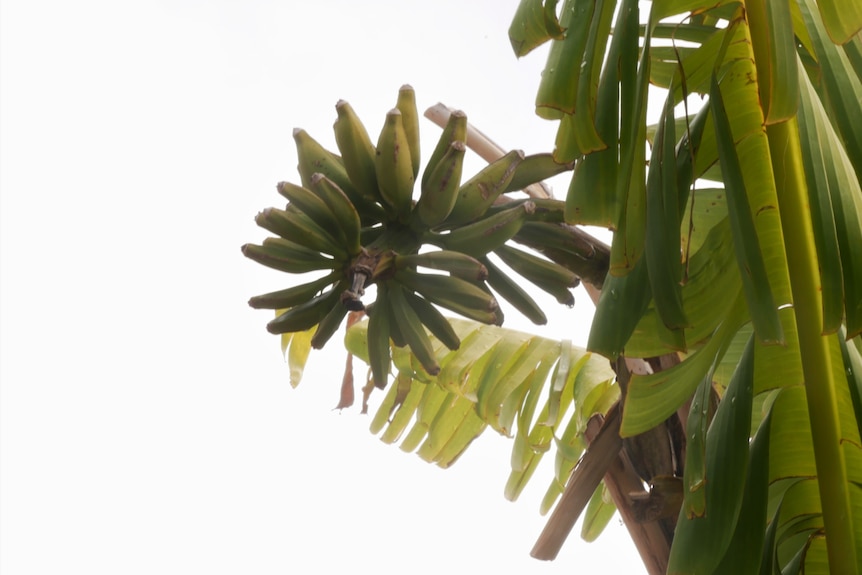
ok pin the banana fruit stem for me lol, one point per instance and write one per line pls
(814, 346)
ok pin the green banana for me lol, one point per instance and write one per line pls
(298, 228)
(293, 296)
(435, 321)
(410, 118)
(440, 188)
(286, 256)
(545, 274)
(509, 290)
(328, 326)
(456, 263)
(357, 151)
(378, 338)
(343, 210)
(308, 314)
(487, 234)
(412, 330)
(394, 165)
(478, 193)
(447, 291)
(313, 206)
(455, 131)
(314, 158)
(536, 168)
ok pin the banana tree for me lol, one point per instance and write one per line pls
(729, 302)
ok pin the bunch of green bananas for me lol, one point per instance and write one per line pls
(354, 218)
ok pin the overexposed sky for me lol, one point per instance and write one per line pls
(147, 422)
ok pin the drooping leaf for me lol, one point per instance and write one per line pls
(726, 468)
(531, 27)
(774, 48)
(755, 282)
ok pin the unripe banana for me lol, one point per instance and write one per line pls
(456, 263)
(477, 194)
(294, 226)
(440, 188)
(435, 321)
(412, 330)
(294, 295)
(536, 168)
(308, 314)
(328, 326)
(487, 234)
(378, 338)
(314, 158)
(286, 256)
(546, 275)
(509, 290)
(394, 165)
(447, 290)
(357, 151)
(343, 210)
(313, 206)
(410, 118)
(455, 131)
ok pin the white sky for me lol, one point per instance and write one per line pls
(147, 421)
